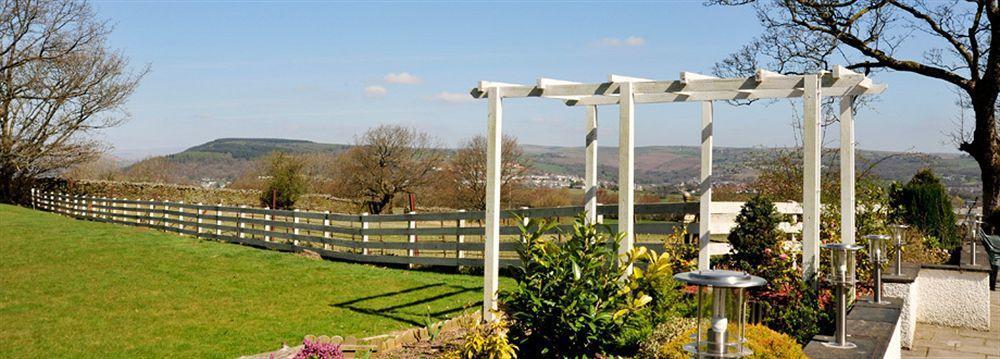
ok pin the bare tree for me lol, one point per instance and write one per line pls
(60, 82)
(386, 161)
(809, 35)
(467, 172)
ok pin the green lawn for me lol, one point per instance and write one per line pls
(71, 288)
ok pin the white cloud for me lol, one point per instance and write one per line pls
(375, 91)
(452, 97)
(635, 41)
(632, 41)
(402, 78)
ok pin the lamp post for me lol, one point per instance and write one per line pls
(726, 289)
(876, 252)
(899, 236)
(972, 221)
(842, 278)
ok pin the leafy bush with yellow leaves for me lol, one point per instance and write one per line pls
(764, 342)
(485, 341)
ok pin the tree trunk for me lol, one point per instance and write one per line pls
(377, 206)
(985, 149)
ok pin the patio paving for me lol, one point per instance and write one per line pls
(935, 341)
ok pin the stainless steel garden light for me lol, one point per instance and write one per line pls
(841, 277)
(715, 337)
(899, 236)
(973, 221)
(876, 253)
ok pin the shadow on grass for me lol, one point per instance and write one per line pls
(411, 299)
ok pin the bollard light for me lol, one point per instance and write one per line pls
(716, 336)
(876, 253)
(899, 237)
(973, 222)
(841, 277)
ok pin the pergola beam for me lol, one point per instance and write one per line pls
(812, 149)
(716, 89)
(590, 176)
(626, 171)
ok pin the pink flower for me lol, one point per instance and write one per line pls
(783, 256)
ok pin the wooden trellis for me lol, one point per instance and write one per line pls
(627, 92)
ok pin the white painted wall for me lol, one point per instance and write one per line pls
(953, 298)
(908, 318)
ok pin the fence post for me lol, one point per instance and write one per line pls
(364, 233)
(114, 204)
(460, 237)
(32, 197)
(164, 218)
(218, 220)
(412, 239)
(326, 232)
(149, 213)
(267, 227)
(180, 217)
(295, 230)
(200, 212)
(241, 224)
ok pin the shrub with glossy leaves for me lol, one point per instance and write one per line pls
(569, 299)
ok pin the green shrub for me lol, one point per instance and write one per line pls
(924, 203)
(286, 183)
(485, 341)
(664, 333)
(790, 302)
(569, 299)
(763, 341)
(756, 231)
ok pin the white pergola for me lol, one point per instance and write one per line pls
(627, 92)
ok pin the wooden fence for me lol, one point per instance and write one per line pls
(426, 239)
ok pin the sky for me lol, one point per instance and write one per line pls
(327, 71)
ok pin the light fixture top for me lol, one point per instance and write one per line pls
(720, 278)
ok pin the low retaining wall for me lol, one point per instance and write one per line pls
(904, 287)
(954, 297)
(873, 328)
(949, 295)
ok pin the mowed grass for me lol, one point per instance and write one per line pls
(72, 288)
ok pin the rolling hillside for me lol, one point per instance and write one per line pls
(226, 158)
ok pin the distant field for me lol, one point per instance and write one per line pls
(72, 288)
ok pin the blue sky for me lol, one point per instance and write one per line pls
(326, 71)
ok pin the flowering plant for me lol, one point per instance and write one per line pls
(319, 350)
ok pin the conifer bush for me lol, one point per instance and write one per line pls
(923, 202)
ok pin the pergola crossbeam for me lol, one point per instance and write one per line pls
(694, 87)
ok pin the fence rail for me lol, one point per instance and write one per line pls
(428, 239)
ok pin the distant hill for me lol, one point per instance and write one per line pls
(227, 158)
(253, 148)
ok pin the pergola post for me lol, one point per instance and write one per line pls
(590, 177)
(705, 205)
(626, 169)
(491, 255)
(847, 202)
(812, 146)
